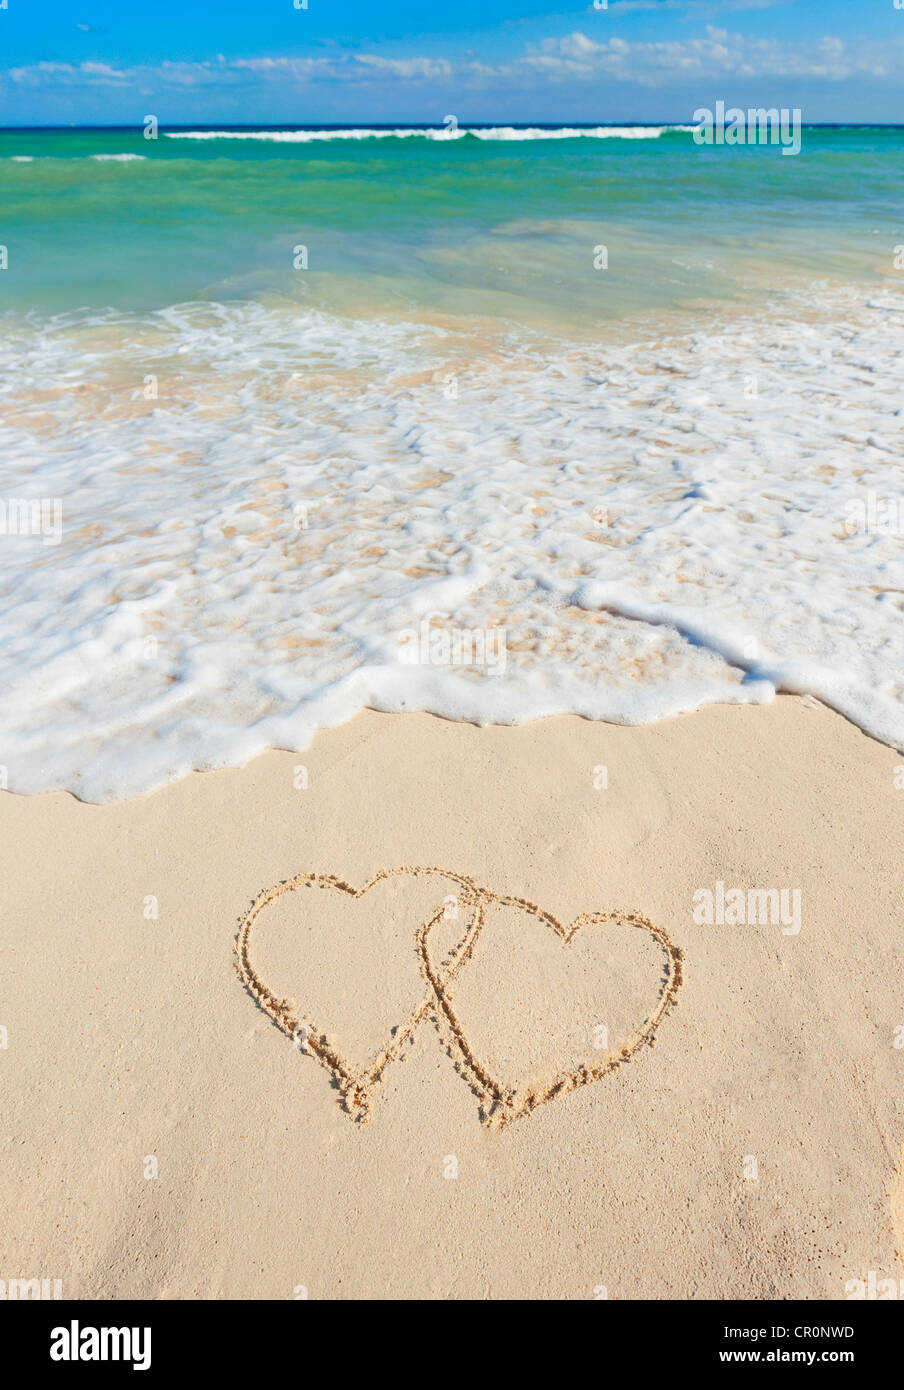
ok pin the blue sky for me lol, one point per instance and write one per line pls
(106, 61)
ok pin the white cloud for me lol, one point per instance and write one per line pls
(299, 69)
(415, 68)
(717, 54)
(89, 74)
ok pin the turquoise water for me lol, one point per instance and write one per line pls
(503, 227)
(233, 490)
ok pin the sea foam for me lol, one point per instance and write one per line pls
(302, 137)
(242, 560)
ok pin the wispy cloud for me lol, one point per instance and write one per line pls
(717, 54)
(419, 69)
(86, 74)
(576, 57)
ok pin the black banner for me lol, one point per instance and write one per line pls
(277, 1339)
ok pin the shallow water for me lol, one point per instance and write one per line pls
(450, 465)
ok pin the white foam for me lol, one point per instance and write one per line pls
(656, 528)
(115, 158)
(303, 137)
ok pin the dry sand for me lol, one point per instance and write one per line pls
(754, 1151)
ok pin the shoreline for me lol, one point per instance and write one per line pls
(810, 701)
(707, 519)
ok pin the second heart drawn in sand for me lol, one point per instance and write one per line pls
(507, 1047)
(511, 933)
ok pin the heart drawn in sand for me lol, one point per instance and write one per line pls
(528, 1009)
(379, 981)
(540, 1011)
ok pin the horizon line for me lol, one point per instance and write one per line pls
(421, 125)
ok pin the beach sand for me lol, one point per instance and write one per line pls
(163, 1139)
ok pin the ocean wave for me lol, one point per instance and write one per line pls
(243, 558)
(113, 158)
(302, 137)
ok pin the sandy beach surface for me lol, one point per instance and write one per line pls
(447, 1110)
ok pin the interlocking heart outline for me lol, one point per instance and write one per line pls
(499, 1105)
